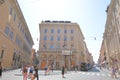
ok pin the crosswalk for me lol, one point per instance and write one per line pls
(91, 74)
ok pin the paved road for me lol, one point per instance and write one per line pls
(94, 74)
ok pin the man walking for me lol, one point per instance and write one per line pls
(63, 71)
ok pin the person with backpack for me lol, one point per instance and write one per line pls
(30, 71)
(35, 73)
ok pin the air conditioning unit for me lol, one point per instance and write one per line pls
(2, 1)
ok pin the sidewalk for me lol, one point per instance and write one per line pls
(56, 75)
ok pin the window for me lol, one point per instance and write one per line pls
(45, 31)
(14, 55)
(58, 30)
(117, 4)
(14, 17)
(45, 37)
(65, 31)
(52, 30)
(72, 31)
(51, 46)
(2, 53)
(65, 38)
(58, 46)
(11, 10)
(18, 41)
(11, 35)
(19, 24)
(7, 30)
(58, 38)
(51, 38)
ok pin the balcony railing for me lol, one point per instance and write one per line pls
(56, 50)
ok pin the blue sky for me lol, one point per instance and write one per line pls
(89, 14)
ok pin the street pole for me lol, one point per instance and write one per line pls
(64, 46)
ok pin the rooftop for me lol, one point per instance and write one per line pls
(48, 21)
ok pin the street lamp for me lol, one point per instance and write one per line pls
(63, 52)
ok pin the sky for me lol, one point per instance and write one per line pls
(89, 14)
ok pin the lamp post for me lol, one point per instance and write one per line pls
(64, 46)
(70, 58)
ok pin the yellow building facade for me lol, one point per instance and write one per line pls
(61, 43)
(15, 39)
(111, 37)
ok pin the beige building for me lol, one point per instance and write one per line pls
(15, 39)
(61, 43)
(103, 56)
(111, 35)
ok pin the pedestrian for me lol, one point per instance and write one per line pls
(49, 68)
(0, 70)
(114, 70)
(63, 71)
(24, 72)
(52, 67)
(36, 72)
(30, 71)
(45, 69)
(76, 68)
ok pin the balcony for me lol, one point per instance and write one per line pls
(55, 50)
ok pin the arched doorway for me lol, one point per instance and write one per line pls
(58, 61)
(43, 61)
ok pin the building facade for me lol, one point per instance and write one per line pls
(15, 39)
(103, 56)
(61, 43)
(111, 37)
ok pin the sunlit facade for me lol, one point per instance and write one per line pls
(111, 37)
(15, 39)
(61, 43)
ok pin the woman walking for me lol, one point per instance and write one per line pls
(35, 74)
(24, 72)
(114, 71)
